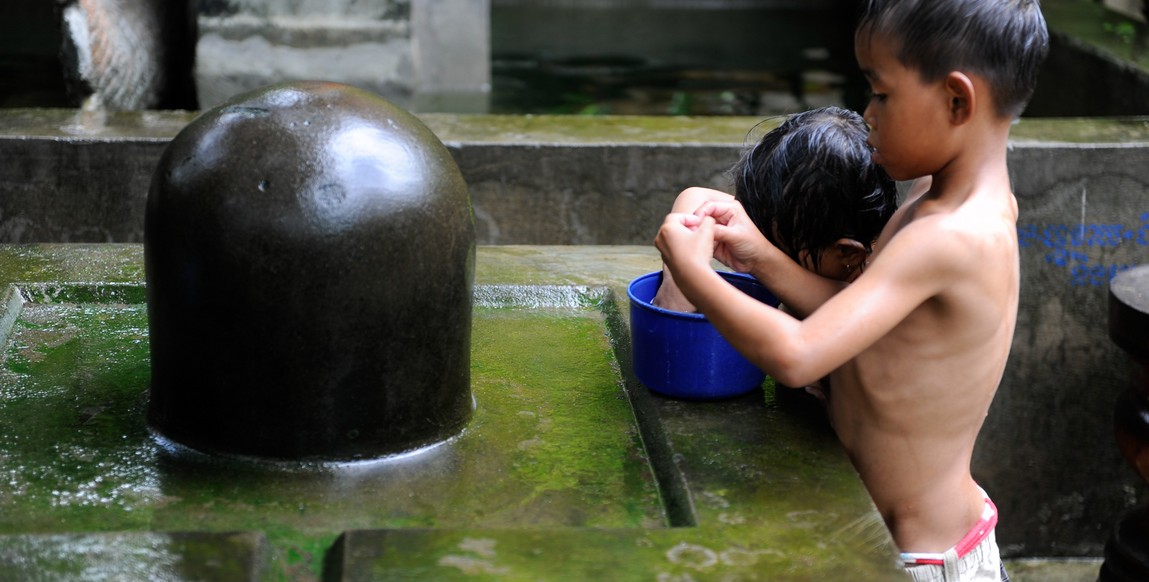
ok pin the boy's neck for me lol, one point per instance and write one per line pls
(981, 162)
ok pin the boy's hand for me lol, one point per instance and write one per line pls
(685, 238)
(738, 243)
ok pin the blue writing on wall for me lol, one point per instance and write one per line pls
(1068, 246)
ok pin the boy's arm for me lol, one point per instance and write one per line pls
(801, 290)
(741, 246)
(913, 268)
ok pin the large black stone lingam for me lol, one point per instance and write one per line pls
(310, 260)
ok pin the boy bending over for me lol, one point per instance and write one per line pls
(916, 346)
(812, 189)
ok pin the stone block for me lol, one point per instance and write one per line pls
(232, 556)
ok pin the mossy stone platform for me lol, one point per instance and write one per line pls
(569, 470)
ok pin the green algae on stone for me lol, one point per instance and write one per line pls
(553, 442)
(134, 556)
(1082, 130)
(735, 553)
(1098, 26)
(65, 263)
(298, 554)
(73, 446)
(581, 130)
(114, 293)
(566, 422)
(595, 265)
(816, 531)
(751, 473)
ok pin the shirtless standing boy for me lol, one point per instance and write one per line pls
(916, 346)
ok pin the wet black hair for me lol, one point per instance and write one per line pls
(811, 181)
(1002, 41)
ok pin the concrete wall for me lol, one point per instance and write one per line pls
(1047, 453)
(418, 54)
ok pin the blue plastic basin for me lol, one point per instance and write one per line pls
(681, 354)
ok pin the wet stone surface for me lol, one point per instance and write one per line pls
(569, 467)
(309, 252)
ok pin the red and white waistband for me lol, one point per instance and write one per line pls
(971, 540)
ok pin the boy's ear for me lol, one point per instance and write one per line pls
(852, 252)
(962, 97)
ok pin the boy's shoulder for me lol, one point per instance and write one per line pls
(937, 235)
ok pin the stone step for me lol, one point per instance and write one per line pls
(233, 556)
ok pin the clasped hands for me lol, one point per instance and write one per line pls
(719, 230)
